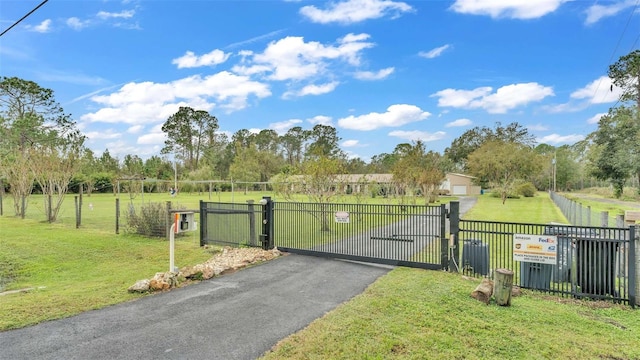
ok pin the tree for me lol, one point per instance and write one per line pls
(323, 142)
(246, 166)
(625, 74)
(293, 145)
(502, 164)
(418, 169)
(473, 139)
(32, 124)
(187, 133)
(615, 153)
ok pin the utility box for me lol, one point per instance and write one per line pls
(475, 257)
(535, 276)
(185, 221)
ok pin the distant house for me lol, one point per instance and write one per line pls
(454, 184)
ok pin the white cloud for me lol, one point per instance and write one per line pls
(77, 24)
(282, 127)
(514, 9)
(125, 14)
(504, 99)
(434, 53)
(599, 91)
(148, 102)
(597, 12)
(135, 129)
(292, 58)
(537, 127)
(560, 139)
(321, 119)
(152, 138)
(353, 11)
(396, 115)
(416, 135)
(595, 118)
(459, 123)
(43, 27)
(370, 75)
(350, 143)
(191, 60)
(312, 89)
(101, 135)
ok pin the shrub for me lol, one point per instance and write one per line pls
(149, 220)
(526, 189)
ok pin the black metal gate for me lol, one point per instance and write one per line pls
(405, 235)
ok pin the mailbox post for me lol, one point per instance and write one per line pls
(182, 221)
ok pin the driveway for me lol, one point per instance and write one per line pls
(237, 316)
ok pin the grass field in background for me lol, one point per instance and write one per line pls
(535, 210)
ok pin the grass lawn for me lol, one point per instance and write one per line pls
(536, 210)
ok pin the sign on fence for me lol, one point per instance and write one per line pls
(542, 249)
(342, 217)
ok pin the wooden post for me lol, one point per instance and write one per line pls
(80, 206)
(1, 201)
(502, 286)
(75, 199)
(117, 215)
(483, 291)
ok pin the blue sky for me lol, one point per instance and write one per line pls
(382, 72)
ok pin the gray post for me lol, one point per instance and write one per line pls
(1, 201)
(454, 223)
(620, 221)
(604, 219)
(588, 215)
(444, 242)
(169, 220)
(267, 223)
(75, 200)
(80, 205)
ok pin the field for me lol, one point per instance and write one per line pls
(407, 314)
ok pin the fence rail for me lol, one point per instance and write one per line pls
(580, 215)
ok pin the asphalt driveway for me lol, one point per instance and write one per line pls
(236, 316)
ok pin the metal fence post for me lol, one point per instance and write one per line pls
(203, 222)
(252, 224)
(454, 223)
(634, 265)
(267, 223)
(444, 243)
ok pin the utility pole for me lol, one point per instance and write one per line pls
(554, 170)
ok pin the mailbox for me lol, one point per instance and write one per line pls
(185, 221)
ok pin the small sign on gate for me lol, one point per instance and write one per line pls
(342, 217)
(542, 249)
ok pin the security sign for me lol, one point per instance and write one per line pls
(542, 249)
(342, 217)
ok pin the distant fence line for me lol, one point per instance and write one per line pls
(580, 215)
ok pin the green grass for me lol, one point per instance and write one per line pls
(418, 314)
(536, 210)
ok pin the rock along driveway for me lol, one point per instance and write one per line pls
(236, 316)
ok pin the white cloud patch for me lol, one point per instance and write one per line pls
(77, 24)
(537, 127)
(599, 91)
(350, 143)
(354, 11)
(321, 120)
(434, 53)
(396, 115)
(43, 27)
(292, 58)
(598, 12)
(595, 118)
(191, 60)
(135, 129)
(512, 9)
(152, 138)
(312, 89)
(416, 135)
(148, 102)
(102, 135)
(504, 99)
(282, 127)
(560, 139)
(459, 123)
(377, 75)
(125, 14)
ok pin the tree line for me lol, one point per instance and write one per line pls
(42, 150)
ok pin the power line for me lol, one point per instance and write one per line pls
(24, 17)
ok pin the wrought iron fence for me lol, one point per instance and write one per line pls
(593, 262)
(232, 224)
